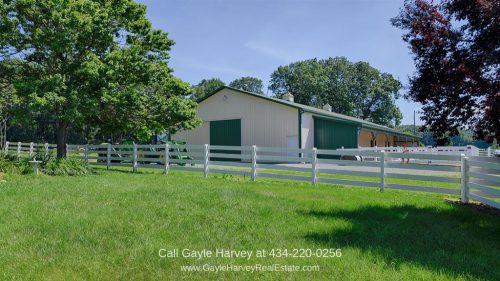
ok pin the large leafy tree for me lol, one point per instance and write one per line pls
(248, 83)
(94, 62)
(206, 87)
(456, 48)
(354, 89)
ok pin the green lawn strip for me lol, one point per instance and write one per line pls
(110, 225)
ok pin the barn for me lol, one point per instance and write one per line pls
(234, 117)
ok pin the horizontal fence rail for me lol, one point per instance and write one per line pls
(30, 150)
(481, 182)
(471, 177)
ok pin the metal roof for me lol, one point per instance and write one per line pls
(315, 111)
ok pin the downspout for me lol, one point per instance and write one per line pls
(359, 134)
(300, 130)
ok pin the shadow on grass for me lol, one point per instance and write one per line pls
(455, 241)
(126, 170)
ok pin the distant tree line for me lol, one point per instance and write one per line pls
(355, 89)
(427, 138)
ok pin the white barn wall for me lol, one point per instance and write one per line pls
(263, 123)
(307, 130)
(200, 135)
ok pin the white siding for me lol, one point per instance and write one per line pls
(200, 135)
(307, 130)
(263, 122)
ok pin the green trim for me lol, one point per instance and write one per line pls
(316, 111)
(337, 120)
(300, 128)
(359, 134)
(299, 133)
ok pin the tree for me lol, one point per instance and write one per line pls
(354, 89)
(205, 87)
(494, 145)
(8, 98)
(6, 102)
(250, 84)
(463, 138)
(456, 49)
(428, 138)
(98, 63)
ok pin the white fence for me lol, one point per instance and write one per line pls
(472, 177)
(468, 150)
(30, 150)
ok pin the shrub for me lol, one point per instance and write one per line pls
(50, 166)
(41, 155)
(10, 165)
(69, 167)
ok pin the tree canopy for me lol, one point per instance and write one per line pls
(456, 49)
(354, 89)
(205, 87)
(96, 63)
(250, 84)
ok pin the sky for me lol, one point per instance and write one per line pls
(229, 39)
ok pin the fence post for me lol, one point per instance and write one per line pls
(382, 170)
(108, 156)
(7, 147)
(31, 150)
(254, 162)
(46, 146)
(206, 158)
(86, 153)
(134, 162)
(314, 161)
(167, 160)
(488, 152)
(464, 188)
(18, 150)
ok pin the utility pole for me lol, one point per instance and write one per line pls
(414, 124)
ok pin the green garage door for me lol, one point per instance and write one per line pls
(228, 133)
(329, 134)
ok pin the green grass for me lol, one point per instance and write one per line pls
(110, 226)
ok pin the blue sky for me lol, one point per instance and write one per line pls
(229, 39)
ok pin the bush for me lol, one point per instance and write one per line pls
(63, 167)
(50, 166)
(10, 165)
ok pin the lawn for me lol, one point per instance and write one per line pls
(111, 225)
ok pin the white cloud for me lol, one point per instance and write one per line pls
(269, 51)
(211, 68)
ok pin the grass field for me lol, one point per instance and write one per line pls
(111, 225)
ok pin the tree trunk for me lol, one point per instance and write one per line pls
(3, 132)
(62, 138)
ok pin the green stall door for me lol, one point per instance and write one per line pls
(329, 134)
(228, 133)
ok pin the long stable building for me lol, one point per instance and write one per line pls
(240, 118)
